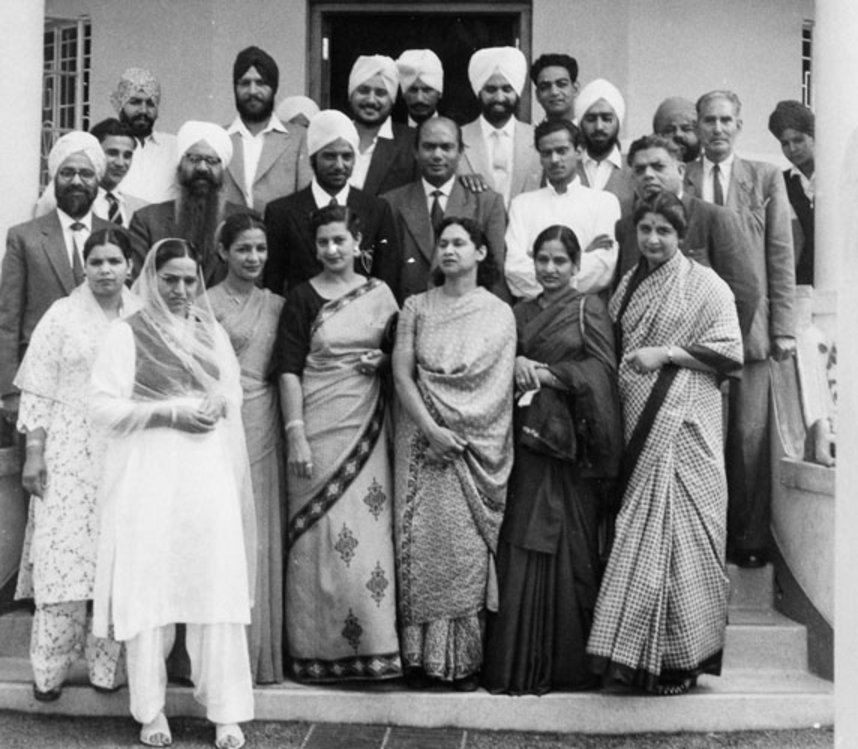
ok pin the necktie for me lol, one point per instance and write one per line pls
(333, 202)
(717, 190)
(113, 213)
(500, 162)
(436, 215)
(77, 263)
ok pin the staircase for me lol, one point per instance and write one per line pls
(765, 685)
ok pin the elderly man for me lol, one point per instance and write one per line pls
(421, 78)
(43, 260)
(205, 150)
(137, 99)
(384, 158)
(556, 79)
(676, 119)
(420, 206)
(498, 146)
(792, 124)
(269, 160)
(600, 109)
(333, 142)
(591, 214)
(714, 235)
(755, 191)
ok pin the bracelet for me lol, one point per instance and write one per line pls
(294, 424)
(172, 416)
(670, 354)
(34, 443)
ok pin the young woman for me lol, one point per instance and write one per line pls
(453, 368)
(340, 592)
(177, 539)
(250, 315)
(63, 467)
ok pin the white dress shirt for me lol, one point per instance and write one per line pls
(323, 197)
(152, 174)
(726, 170)
(66, 222)
(445, 190)
(587, 212)
(500, 146)
(599, 172)
(251, 148)
(363, 158)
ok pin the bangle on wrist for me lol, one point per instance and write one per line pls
(294, 424)
(172, 416)
(34, 443)
(670, 354)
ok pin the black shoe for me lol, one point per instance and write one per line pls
(52, 695)
(468, 684)
(416, 678)
(750, 559)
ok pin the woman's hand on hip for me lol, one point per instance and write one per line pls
(34, 477)
(299, 459)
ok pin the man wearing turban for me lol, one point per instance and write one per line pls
(205, 151)
(43, 260)
(421, 78)
(298, 110)
(332, 141)
(676, 119)
(792, 124)
(136, 100)
(270, 160)
(600, 110)
(499, 146)
(384, 159)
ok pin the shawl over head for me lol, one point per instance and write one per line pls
(74, 142)
(600, 89)
(135, 81)
(330, 125)
(194, 131)
(508, 61)
(423, 64)
(366, 66)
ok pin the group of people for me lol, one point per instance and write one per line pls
(422, 400)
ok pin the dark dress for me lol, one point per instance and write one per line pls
(548, 555)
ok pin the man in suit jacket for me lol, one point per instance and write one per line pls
(714, 236)
(600, 109)
(385, 155)
(269, 160)
(497, 145)
(44, 260)
(332, 141)
(419, 207)
(755, 192)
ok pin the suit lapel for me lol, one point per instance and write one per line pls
(236, 163)
(415, 215)
(305, 207)
(741, 184)
(693, 183)
(476, 151)
(382, 158)
(457, 203)
(522, 148)
(582, 174)
(274, 143)
(54, 247)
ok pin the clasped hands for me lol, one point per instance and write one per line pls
(201, 418)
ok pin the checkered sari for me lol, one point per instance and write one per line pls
(662, 607)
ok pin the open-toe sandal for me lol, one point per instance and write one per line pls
(228, 736)
(156, 733)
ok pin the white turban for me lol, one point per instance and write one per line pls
(193, 131)
(330, 125)
(508, 61)
(292, 106)
(423, 64)
(600, 89)
(366, 66)
(74, 142)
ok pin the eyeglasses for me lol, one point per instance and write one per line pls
(69, 173)
(196, 159)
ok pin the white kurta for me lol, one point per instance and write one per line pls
(172, 547)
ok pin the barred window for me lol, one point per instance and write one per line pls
(806, 50)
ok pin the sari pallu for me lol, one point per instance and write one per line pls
(340, 597)
(662, 609)
(448, 516)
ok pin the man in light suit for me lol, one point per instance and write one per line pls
(269, 160)
(499, 146)
(44, 260)
(755, 191)
(420, 206)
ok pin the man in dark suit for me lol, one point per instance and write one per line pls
(384, 159)
(420, 206)
(332, 142)
(714, 236)
(755, 192)
(43, 260)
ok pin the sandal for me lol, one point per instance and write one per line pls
(676, 688)
(228, 736)
(156, 732)
(50, 695)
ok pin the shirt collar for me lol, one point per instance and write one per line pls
(614, 157)
(66, 221)
(725, 165)
(445, 189)
(487, 127)
(569, 188)
(239, 127)
(323, 197)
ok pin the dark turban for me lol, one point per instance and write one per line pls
(253, 57)
(791, 114)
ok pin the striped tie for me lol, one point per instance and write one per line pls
(113, 214)
(77, 263)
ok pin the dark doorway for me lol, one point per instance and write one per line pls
(347, 31)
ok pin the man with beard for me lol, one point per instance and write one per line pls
(499, 146)
(556, 79)
(205, 150)
(151, 176)
(270, 160)
(332, 141)
(676, 119)
(43, 260)
(591, 214)
(600, 109)
(421, 78)
(420, 206)
(384, 159)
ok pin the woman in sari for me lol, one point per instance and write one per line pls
(63, 468)
(250, 315)
(177, 539)
(453, 368)
(548, 560)
(662, 610)
(340, 596)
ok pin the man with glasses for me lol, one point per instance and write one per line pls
(205, 150)
(44, 260)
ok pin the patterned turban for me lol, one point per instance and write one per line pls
(791, 114)
(253, 57)
(193, 131)
(600, 89)
(366, 66)
(508, 61)
(74, 142)
(330, 125)
(423, 64)
(135, 81)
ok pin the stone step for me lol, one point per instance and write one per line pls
(765, 639)
(751, 588)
